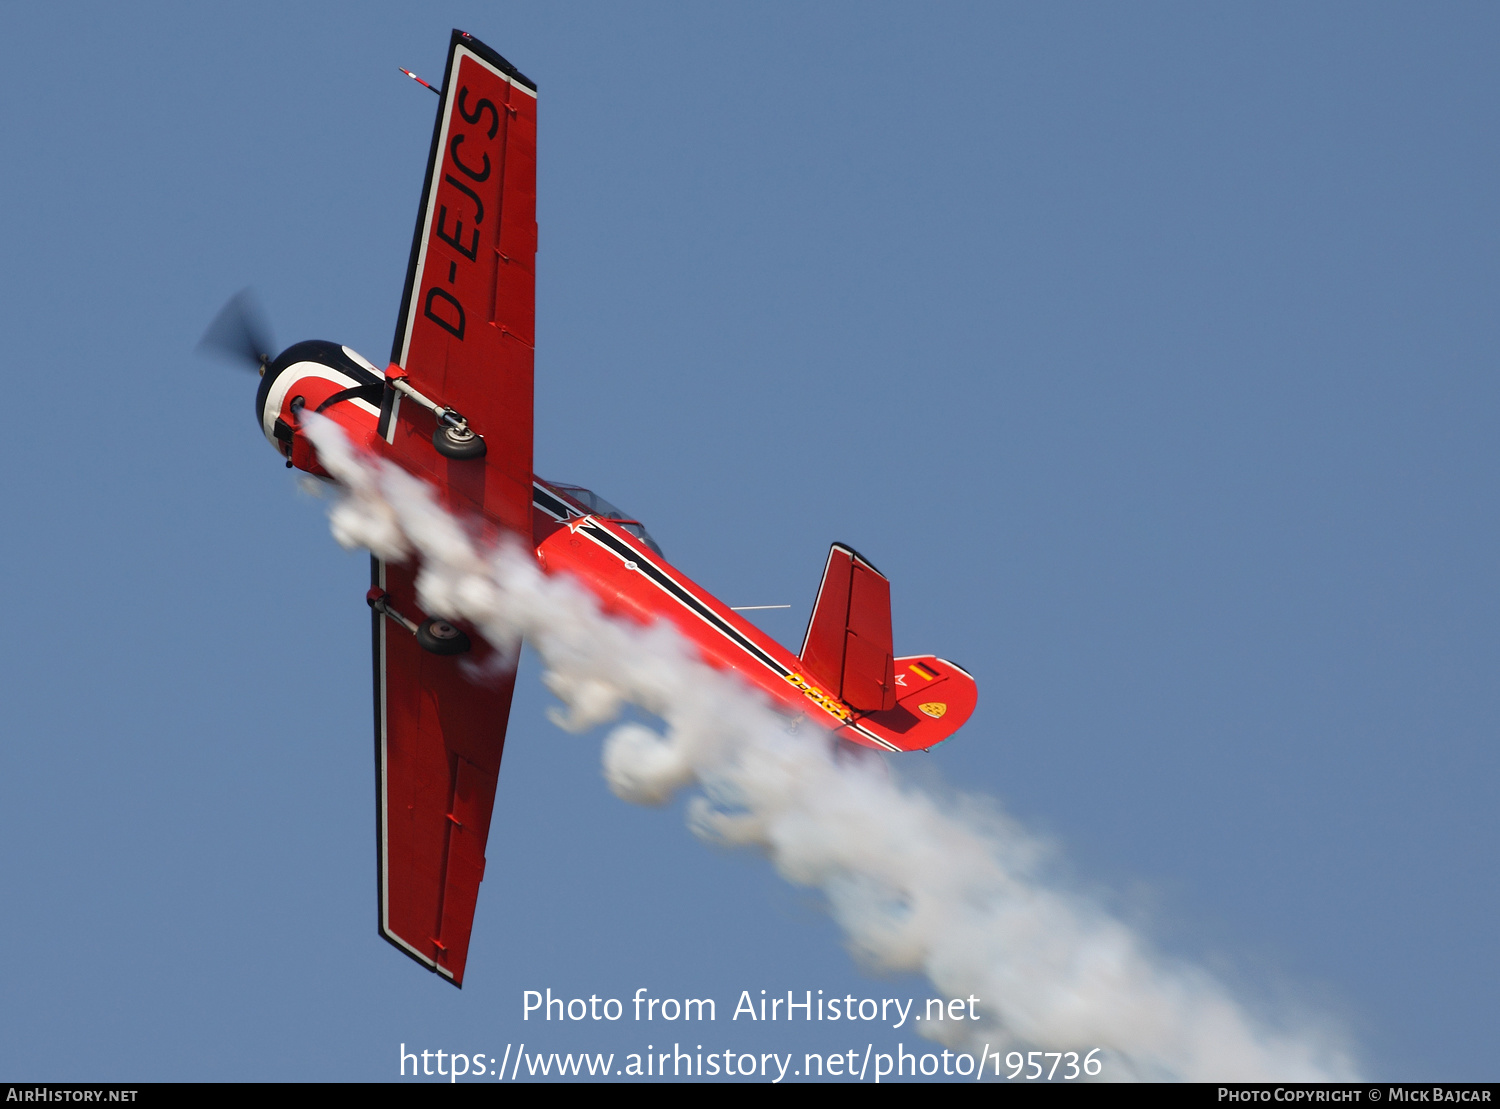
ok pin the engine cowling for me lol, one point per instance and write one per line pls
(321, 377)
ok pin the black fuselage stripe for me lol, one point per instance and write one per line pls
(552, 506)
(549, 504)
(714, 619)
(603, 537)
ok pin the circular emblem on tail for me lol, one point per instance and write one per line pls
(934, 709)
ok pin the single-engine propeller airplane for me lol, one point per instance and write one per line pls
(454, 406)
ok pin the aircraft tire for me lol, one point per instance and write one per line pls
(441, 638)
(458, 445)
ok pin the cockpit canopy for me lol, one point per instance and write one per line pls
(598, 506)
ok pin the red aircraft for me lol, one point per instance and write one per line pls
(454, 406)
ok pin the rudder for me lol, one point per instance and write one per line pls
(848, 642)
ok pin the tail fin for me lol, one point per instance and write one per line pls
(848, 643)
(905, 704)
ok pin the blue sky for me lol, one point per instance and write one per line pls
(1149, 351)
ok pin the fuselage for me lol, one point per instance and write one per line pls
(630, 579)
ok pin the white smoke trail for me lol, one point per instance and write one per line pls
(954, 892)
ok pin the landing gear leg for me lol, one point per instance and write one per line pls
(433, 634)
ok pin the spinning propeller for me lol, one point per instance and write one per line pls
(240, 332)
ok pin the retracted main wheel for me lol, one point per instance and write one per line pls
(457, 442)
(441, 638)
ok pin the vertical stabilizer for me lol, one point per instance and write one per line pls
(848, 643)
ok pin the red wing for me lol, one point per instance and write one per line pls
(465, 335)
(438, 741)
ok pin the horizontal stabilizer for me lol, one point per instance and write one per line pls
(934, 697)
(848, 643)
